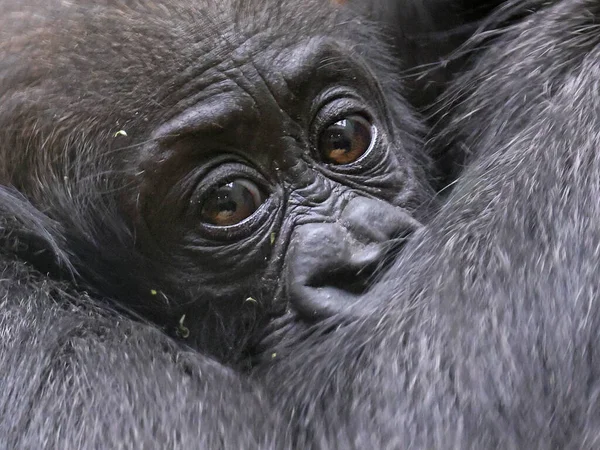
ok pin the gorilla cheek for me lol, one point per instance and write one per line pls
(330, 264)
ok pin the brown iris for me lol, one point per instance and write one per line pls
(346, 140)
(231, 203)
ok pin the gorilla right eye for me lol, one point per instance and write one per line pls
(231, 203)
(346, 140)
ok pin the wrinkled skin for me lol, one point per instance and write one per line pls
(481, 335)
(182, 183)
(182, 150)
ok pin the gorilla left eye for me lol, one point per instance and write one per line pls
(232, 203)
(346, 140)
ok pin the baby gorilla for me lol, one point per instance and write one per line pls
(210, 166)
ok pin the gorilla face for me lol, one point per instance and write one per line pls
(208, 174)
(184, 162)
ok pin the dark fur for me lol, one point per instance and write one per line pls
(427, 37)
(69, 86)
(482, 335)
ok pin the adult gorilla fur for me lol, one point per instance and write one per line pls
(482, 334)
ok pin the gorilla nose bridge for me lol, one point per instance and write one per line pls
(376, 221)
(318, 202)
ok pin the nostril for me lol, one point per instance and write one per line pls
(328, 268)
(350, 282)
(352, 274)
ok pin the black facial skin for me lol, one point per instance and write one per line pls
(321, 223)
(482, 334)
(137, 159)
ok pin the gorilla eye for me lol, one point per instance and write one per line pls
(231, 203)
(346, 140)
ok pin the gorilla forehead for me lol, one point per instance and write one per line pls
(91, 68)
(154, 40)
(244, 88)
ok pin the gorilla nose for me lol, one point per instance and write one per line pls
(330, 265)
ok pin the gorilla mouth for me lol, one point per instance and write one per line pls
(279, 333)
(283, 332)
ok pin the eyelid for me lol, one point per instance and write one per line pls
(336, 109)
(339, 104)
(252, 189)
(217, 176)
(243, 229)
(227, 172)
(366, 154)
(333, 96)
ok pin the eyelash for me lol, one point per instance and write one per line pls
(221, 175)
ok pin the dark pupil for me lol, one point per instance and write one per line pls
(231, 203)
(340, 136)
(346, 140)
